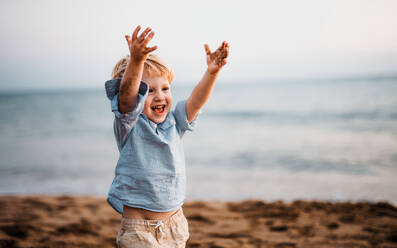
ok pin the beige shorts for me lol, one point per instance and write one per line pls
(171, 232)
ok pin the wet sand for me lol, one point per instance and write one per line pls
(70, 221)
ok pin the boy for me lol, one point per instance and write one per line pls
(149, 187)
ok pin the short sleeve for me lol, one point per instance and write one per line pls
(181, 118)
(123, 123)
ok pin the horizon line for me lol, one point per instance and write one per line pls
(353, 77)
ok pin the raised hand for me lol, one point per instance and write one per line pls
(138, 44)
(217, 59)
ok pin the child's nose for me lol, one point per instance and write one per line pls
(159, 96)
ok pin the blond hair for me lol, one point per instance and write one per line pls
(153, 66)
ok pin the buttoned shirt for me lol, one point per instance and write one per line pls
(150, 172)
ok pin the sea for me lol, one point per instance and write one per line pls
(329, 139)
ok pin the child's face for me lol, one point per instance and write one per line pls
(159, 100)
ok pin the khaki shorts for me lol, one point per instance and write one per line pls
(171, 232)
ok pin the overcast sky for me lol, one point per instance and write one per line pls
(70, 44)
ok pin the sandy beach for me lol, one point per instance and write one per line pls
(77, 221)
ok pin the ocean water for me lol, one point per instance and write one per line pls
(323, 140)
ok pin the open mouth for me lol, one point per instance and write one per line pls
(158, 109)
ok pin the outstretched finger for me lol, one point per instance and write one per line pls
(135, 33)
(148, 38)
(128, 39)
(226, 50)
(150, 49)
(207, 49)
(227, 53)
(143, 34)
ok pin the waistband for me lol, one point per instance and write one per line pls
(148, 225)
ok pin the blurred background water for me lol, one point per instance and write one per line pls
(328, 140)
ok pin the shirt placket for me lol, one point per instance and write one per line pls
(155, 127)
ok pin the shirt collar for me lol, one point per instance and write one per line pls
(167, 123)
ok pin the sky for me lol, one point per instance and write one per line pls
(60, 44)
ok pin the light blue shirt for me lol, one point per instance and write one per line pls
(150, 172)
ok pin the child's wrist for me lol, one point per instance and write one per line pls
(137, 60)
(212, 73)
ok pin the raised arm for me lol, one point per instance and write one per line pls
(131, 80)
(203, 89)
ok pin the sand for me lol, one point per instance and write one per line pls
(70, 221)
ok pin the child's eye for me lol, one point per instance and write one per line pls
(166, 88)
(150, 90)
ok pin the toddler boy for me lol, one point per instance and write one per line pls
(149, 187)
